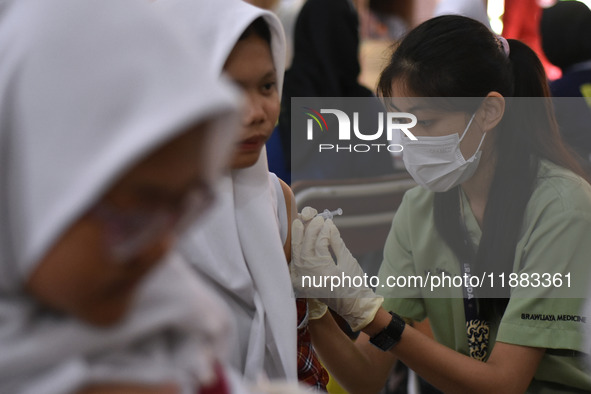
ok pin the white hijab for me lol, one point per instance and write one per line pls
(239, 248)
(87, 88)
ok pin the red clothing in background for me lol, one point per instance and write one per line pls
(521, 21)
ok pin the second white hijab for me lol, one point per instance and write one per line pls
(239, 248)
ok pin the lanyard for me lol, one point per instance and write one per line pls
(477, 329)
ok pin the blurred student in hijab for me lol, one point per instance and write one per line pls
(243, 247)
(566, 31)
(102, 159)
(326, 64)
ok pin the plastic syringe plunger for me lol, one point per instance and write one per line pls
(326, 214)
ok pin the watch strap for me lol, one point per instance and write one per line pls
(390, 335)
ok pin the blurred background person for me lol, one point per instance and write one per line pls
(566, 39)
(326, 64)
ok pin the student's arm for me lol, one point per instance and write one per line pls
(291, 213)
(362, 368)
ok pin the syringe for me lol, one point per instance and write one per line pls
(326, 214)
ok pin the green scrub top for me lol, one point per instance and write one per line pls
(555, 238)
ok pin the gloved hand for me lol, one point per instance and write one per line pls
(312, 258)
(316, 308)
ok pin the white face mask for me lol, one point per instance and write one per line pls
(437, 163)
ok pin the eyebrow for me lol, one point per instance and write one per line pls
(270, 74)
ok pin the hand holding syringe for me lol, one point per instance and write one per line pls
(319, 251)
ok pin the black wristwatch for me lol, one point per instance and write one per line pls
(389, 336)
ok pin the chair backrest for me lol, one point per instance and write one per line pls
(368, 205)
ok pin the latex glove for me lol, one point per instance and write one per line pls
(316, 309)
(312, 258)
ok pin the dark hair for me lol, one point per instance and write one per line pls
(258, 27)
(454, 56)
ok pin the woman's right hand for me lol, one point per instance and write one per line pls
(311, 258)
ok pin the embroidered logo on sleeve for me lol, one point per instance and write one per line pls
(548, 317)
